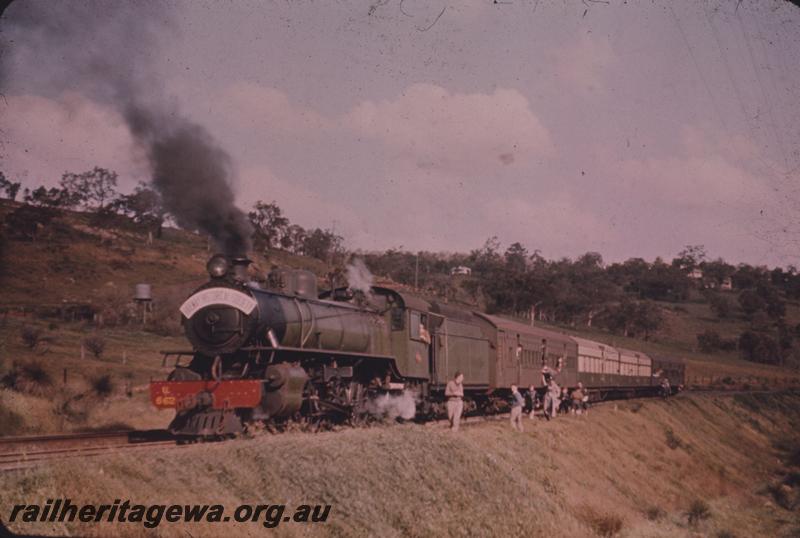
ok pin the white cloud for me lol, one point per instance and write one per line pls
(557, 224)
(49, 136)
(705, 174)
(458, 132)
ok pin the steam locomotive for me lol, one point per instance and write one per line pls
(284, 352)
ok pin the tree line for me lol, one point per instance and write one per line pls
(96, 192)
(628, 298)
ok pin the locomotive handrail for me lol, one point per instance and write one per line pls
(318, 352)
(311, 326)
(292, 349)
(296, 303)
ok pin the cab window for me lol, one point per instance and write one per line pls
(397, 319)
(418, 328)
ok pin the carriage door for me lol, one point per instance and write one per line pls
(437, 350)
(506, 360)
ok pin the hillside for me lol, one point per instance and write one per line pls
(71, 284)
(74, 284)
(696, 465)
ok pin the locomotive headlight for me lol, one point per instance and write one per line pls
(217, 266)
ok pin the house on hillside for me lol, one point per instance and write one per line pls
(460, 270)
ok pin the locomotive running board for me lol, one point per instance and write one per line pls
(309, 351)
(314, 351)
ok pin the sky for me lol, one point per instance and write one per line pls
(627, 128)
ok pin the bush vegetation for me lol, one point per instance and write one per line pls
(698, 511)
(634, 298)
(95, 345)
(102, 385)
(28, 377)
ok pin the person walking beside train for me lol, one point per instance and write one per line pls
(551, 399)
(516, 408)
(666, 391)
(454, 392)
(532, 396)
(564, 401)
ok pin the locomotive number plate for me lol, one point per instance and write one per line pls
(218, 296)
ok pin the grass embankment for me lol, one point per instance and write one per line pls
(48, 404)
(627, 469)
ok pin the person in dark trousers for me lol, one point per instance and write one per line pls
(666, 390)
(565, 402)
(531, 399)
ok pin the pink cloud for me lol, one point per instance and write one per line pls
(50, 136)
(254, 105)
(461, 132)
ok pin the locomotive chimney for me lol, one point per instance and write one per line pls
(240, 268)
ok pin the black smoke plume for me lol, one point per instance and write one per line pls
(110, 52)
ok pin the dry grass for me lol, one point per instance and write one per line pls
(35, 391)
(608, 474)
(603, 524)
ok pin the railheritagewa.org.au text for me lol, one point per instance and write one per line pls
(152, 515)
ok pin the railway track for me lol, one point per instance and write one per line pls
(24, 452)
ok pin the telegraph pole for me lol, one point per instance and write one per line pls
(416, 273)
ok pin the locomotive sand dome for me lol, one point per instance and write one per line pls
(286, 353)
